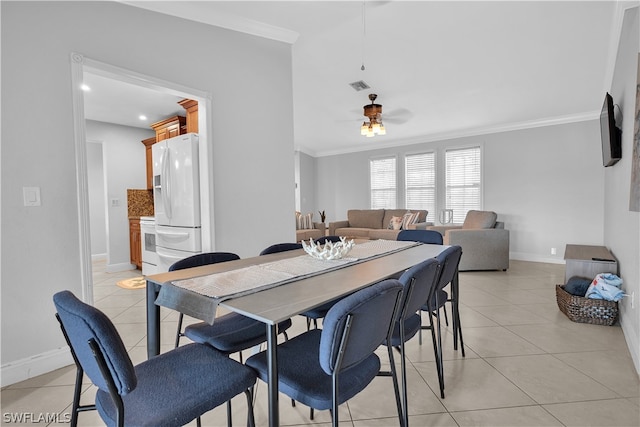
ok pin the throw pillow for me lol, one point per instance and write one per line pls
(408, 219)
(304, 222)
(395, 223)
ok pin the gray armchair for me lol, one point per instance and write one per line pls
(484, 241)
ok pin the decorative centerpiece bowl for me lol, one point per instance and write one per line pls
(329, 250)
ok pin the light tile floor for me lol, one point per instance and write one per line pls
(526, 364)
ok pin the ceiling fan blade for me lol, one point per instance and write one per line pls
(397, 116)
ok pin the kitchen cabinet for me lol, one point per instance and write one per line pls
(149, 160)
(168, 128)
(191, 106)
(135, 242)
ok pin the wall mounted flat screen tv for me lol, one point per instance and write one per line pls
(611, 135)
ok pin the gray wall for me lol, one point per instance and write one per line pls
(621, 226)
(542, 182)
(124, 159)
(40, 246)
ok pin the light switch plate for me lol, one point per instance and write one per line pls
(31, 196)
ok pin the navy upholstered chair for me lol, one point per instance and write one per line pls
(323, 240)
(425, 236)
(419, 283)
(171, 389)
(449, 259)
(197, 261)
(281, 247)
(232, 332)
(324, 368)
(315, 313)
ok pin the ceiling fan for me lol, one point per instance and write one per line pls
(373, 112)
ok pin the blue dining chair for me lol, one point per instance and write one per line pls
(323, 368)
(430, 237)
(281, 247)
(449, 259)
(316, 313)
(231, 333)
(419, 283)
(170, 389)
(425, 236)
(325, 239)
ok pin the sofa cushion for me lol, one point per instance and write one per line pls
(383, 234)
(479, 219)
(361, 233)
(366, 218)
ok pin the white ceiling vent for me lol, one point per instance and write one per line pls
(359, 85)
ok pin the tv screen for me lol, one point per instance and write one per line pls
(611, 135)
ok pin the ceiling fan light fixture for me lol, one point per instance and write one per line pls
(373, 112)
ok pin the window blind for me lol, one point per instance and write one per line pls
(420, 183)
(463, 181)
(383, 183)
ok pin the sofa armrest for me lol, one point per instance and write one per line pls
(442, 229)
(482, 249)
(337, 224)
(320, 226)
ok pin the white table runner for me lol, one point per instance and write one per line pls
(256, 277)
(204, 293)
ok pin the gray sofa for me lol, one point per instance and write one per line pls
(373, 223)
(316, 232)
(484, 241)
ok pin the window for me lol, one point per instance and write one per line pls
(383, 183)
(463, 181)
(420, 183)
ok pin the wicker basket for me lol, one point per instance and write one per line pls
(586, 310)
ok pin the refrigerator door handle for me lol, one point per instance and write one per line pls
(172, 234)
(166, 183)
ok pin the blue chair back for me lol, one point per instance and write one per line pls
(369, 315)
(449, 260)
(323, 240)
(281, 247)
(425, 236)
(82, 323)
(419, 282)
(203, 259)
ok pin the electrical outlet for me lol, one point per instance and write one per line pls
(553, 251)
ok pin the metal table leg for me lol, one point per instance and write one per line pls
(272, 361)
(153, 321)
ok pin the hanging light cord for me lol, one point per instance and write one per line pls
(364, 33)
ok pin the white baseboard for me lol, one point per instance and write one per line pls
(116, 268)
(98, 257)
(33, 366)
(632, 340)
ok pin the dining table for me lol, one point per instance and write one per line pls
(199, 291)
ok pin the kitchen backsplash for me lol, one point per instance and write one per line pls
(139, 203)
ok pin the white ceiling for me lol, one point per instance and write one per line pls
(440, 69)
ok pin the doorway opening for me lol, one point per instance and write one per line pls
(80, 66)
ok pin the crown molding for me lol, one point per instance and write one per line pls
(464, 133)
(219, 19)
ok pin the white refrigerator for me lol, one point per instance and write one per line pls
(176, 199)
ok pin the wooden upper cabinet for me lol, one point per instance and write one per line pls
(191, 106)
(149, 160)
(168, 128)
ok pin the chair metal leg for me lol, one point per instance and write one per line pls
(179, 331)
(436, 352)
(403, 407)
(229, 422)
(251, 422)
(440, 349)
(198, 422)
